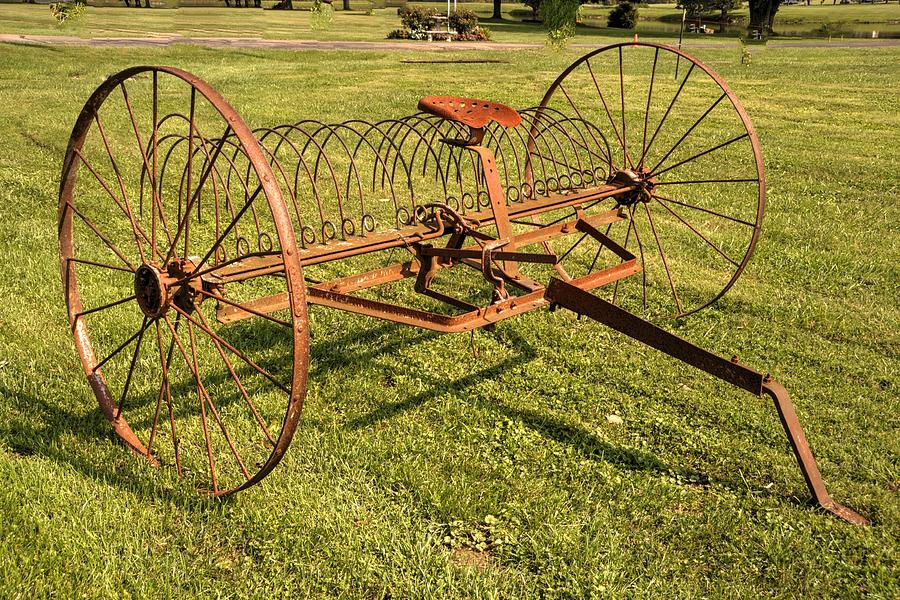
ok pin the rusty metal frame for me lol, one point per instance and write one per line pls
(492, 171)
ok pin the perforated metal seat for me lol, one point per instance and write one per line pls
(470, 111)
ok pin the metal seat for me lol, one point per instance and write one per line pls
(470, 111)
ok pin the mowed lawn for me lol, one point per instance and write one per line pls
(421, 471)
(358, 24)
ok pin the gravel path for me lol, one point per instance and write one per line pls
(260, 43)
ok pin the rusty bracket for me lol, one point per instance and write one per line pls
(584, 303)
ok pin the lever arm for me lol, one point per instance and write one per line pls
(584, 303)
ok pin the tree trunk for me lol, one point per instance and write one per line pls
(762, 15)
(496, 14)
(773, 8)
(346, 4)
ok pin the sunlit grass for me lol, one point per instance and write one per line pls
(421, 469)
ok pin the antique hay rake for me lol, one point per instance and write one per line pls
(191, 245)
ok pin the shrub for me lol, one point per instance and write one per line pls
(398, 34)
(559, 20)
(67, 11)
(479, 34)
(623, 16)
(464, 21)
(417, 18)
(322, 15)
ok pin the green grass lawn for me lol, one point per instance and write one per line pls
(658, 21)
(418, 471)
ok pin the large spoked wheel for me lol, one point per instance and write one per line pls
(164, 192)
(680, 137)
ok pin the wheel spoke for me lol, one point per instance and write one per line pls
(701, 154)
(221, 298)
(688, 132)
(190, 165)
(200, 273)
(666, 114)
(100, 235)
(624, 246)
(700, 235)
(235, 351)
(156, 199)
(625, 157)
(137, 350)
(127, 208)
(590, 129)
(120, 347)
(600, 249)
(696, 181)
(706, 210)
(183, 224)
(647, 110)
(240, 386)
(77, 315)
(212, 406)
(165, 359)
(99, 264)
(567, 252)
(225, 233)
(662, 255)
(135, 227)
(637, 238)
(605, 107)
(153, 178)
(200, 395)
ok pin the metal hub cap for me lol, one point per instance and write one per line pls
(641, 178)
(151, 290)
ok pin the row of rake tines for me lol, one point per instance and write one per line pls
(351, 179)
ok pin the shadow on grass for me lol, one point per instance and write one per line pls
(32, 46)
(44, 424)
(550, 427)
(42, 430)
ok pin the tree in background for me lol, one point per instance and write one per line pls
(559, 18)
(535, 6)
(762, 15)
(696, 8)
(623, 16)
(496, 14)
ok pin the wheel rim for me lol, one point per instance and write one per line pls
(164, 188)
(685, 142)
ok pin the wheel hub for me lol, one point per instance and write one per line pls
(157, 289)
(640, 179)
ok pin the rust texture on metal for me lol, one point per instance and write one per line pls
(192, 245)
